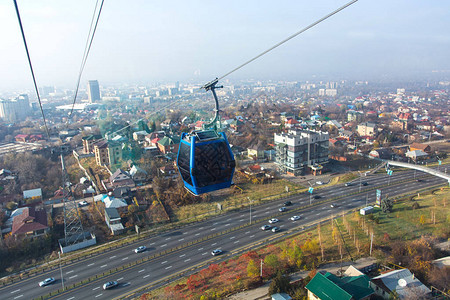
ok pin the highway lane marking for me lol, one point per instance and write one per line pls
(140, 271)
(164, 262)
(18, 296)
(228, 224)
(152, 243)
(267, 208)
(200, 249)
(96, 288)
(125, 258)
(112, 257)
(251, 236)
(73, 276)
(215, 223)
(200, 228)
(182, 255)
(281, 226)
(163, 245)
(146, 276)
(242, 215)
(120, 279)
(168, 267)
(181, 240)
(205, 253)
(241, 220)
(232, 237)
(103, 266)
(212, 229)
(98, 295)
(214, 244)
(69, 272)
(236, 242)
(168, 238)
(187, 260)
(15, 291)
(267, 212)
(317, 214)
(71, 298)
(185, 232)
(247, 232)
(197, 234)
(91, 264)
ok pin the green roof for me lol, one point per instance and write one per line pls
(331, 287)
(166, 141)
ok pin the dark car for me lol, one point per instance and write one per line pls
(282, 209)
(364, 183)
(348, 184)
(266, 227)
(317, 196)
(287, 203)
(275, 229)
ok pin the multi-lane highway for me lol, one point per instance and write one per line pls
(183, 249)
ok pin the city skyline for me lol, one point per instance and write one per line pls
(177, 41)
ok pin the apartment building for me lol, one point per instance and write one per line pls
(301, 151)
(107, 153)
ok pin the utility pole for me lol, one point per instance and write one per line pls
(371, 242)
(260, 274)
(250, 209)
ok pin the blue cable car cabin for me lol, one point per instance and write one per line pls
(205, 161)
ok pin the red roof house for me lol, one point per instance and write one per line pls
(31, 222)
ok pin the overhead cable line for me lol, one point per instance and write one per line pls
(289, 38)
(87, 49)
(251, 60)
(31, 68)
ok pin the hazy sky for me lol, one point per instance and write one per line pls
(165, 41)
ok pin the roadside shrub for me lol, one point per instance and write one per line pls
(415, 205)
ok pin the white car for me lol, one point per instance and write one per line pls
(47, 281)
(110, 285)
(282, 209)
(83, 203)
(140, 249)
(319, 182)
(216, 252)
(274, 220)
(275, 229)
(295, 218)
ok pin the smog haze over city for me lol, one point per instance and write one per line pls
(145, 41)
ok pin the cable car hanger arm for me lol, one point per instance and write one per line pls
(211, 86)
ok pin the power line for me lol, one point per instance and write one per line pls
(289, 38)
(87, 49)
(31, 67)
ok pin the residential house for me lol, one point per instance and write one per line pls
(255, 152)
(168, 144)
(416, 155)
(335, 123)
(403, 282)
(367, 129)
(353, 115)
(107, 153)
(139, 136)
(290, 123)
(422, 147)
(382, 153)
(138, 175)
(89, 141)
(299, 151)
(111, 202)
(347, 135)
(121, 178)
(30, 223)
(280, 296)
(113, 220)
(168, 172)
(330, 287)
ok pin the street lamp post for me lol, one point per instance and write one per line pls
(360, 179)
(250, 209)
(60, 269)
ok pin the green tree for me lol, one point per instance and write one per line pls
(280, 284)
(271, 263)
(386, 205)
(252, 269)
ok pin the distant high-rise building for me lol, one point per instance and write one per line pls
(93, 91)
(15, 110)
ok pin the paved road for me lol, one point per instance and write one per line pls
(157, 269)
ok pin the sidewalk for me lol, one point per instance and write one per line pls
(261, 292)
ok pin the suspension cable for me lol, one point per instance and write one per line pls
(87, 49)
(289, 38)
(31, 68)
